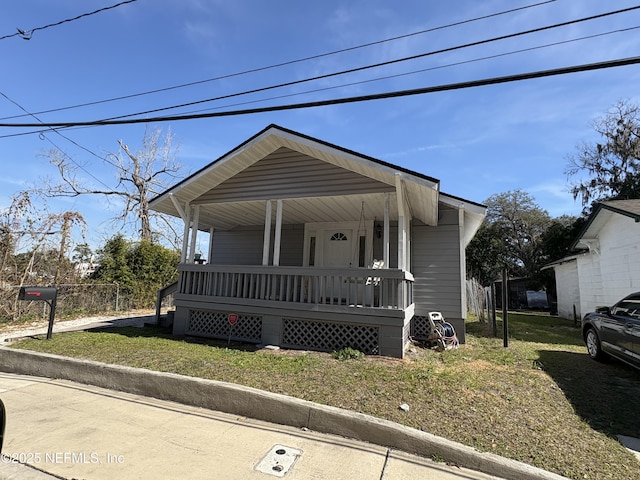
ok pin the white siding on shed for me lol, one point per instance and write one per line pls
(612, 270)
(620, 257)
(569, 294)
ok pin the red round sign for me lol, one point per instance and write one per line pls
(233, 318)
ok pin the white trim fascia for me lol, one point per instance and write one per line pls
(462, 204)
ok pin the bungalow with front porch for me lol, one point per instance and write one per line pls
(314, 246)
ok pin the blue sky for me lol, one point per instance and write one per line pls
(477, 141)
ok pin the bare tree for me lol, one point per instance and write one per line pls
(140, 176)
(611, 165)
(27, 229)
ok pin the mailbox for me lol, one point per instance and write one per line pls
(37, 293)
(43, 294)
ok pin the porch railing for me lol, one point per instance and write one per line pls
(352, 287)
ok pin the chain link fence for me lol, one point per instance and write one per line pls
(74, 299)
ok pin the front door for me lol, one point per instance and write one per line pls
(338, 253)
(338, 248)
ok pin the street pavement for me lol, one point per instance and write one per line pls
(63, 429)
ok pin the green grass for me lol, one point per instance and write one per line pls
(541, 401)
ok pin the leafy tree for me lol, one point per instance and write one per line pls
(140, 176)
(154, 267)
(511, 237)
(486, 254)
(559, 236)
(113, 266)
(140, 268)
(612, 165)
(82, 253)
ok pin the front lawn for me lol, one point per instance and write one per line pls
(541, 401)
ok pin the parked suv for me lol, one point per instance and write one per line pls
(614, 331)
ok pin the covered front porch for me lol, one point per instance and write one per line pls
(297, 307)
(307, 246)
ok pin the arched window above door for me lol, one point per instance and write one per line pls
(338, 236)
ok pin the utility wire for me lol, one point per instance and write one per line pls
(422, 70)
(27, 34)
(43, 136)
(413, 72)
(381, 64)
(362, 98)
(289, 62)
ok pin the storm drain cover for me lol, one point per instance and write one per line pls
(278, 460)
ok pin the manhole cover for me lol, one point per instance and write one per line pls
(278, 460)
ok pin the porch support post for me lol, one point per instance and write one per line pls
(185, 235)
(385, 237)
(402, 226)
(210, 252)
(276, 240)
(267, 234)
(194, 232)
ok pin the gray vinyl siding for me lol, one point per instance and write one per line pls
(289, 174)
(243, 246)
(437, 267)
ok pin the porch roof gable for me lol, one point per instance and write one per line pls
(320, 181)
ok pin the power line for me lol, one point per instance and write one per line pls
(66, 138)
(463, 62)
(27, 34)
(289, 62)
(422, 70)
(381, 64)
(361, 98)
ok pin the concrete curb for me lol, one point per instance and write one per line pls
(269, 407)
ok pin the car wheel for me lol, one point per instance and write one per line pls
(593, 345)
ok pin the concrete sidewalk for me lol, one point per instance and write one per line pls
(63, 429)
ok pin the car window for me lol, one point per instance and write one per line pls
(629, 307)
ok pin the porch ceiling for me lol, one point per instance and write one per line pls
(225, 216)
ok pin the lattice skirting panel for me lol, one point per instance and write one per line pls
(327, 336)
(420, 326)
(207, 323)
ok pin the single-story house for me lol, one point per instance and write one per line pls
(314, 246)
(606, 263)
